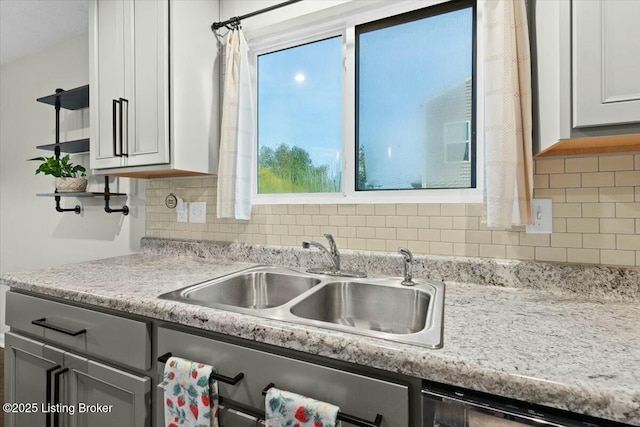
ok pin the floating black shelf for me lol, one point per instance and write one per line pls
(72, 99)
(81, 194)
(76, 146)
(75, 99)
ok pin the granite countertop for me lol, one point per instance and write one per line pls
(549, 348)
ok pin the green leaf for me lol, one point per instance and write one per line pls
(202, 381)
(192, 391)
(59, 168)
(176, 389)
(274, 403)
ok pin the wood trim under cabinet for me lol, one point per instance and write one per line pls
(166, 173)
(590, 146)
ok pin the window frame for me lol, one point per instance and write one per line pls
(300, 32)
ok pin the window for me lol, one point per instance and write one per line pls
(414, 76)
(374, 110)
(300, 119)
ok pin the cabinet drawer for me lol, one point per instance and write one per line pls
(355, 394)
(227, 417)
(109, 337)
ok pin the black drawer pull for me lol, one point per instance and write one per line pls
(43, 322)
(222, 378)
(344, 417)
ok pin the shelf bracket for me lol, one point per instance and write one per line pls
(77, 209)
(107, 209)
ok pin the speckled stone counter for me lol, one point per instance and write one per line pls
(598, 282)
(550, 348)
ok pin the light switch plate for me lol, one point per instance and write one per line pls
(198, 212)
(542, 216)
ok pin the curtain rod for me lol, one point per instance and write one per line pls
(236, 20)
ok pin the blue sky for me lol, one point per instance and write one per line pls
(402, 67)
(300, 100)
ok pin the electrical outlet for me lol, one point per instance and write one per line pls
(198, 212)
(542, 216)
(181, 210)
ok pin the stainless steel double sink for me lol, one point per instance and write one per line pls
(377, 307)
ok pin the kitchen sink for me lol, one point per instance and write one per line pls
(367, 306)
(257, 288)
(377, 307)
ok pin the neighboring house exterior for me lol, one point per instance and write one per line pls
(448, 145)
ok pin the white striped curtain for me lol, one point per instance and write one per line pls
(508, 189)
(237, 132)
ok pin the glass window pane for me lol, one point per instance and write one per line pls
(415, 99)
(300, 119)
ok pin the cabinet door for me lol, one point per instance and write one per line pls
(147, 136)
(28, 369)
(111, 397)
(107, 49)
(129, 83)
(606, 62)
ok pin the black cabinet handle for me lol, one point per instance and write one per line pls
(48, 394)
(116, 103)
(222, 378)
(124, 130)
(344, 417)
(56, 395)
(43, 322)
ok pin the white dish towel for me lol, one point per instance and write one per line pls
(285, 409)
(190, 394)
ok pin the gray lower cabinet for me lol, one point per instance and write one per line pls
(109, 396)
(358, 395)
(29, 366)
(71, 366)
(79, 392)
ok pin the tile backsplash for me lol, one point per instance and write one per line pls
(596, 218)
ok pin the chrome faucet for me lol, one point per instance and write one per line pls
(333, 255)
(408, 266)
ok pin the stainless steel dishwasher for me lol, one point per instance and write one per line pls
(446, 406)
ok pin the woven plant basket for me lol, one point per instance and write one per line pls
(71, 185)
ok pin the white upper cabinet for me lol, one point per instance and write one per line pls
(606, 62)
(146, 76)
(587, 69)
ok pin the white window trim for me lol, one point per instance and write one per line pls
(345, 26)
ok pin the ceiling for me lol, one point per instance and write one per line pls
(29, 26)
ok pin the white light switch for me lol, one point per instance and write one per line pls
(542, 216)
(198, 212)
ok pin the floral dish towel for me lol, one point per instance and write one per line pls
(286, 409)
(190, 394)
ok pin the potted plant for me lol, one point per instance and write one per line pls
(70, 178)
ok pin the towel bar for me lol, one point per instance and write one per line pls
(344, 417)
(222, 378)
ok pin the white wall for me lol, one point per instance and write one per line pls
(32, 234)
(294, 16)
